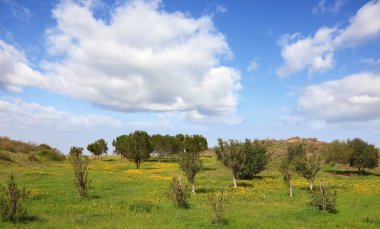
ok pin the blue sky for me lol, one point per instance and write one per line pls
(72, 72)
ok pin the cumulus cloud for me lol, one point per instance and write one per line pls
(355, 98)
(142, 59)
(15, 71)
(19, 113)
(316, 53)
(334, 8)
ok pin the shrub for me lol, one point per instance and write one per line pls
(324, 199)
(216, 200)
(80, 169)
(337, 152)
(179, 192)
(13, 202)
(49, 154)
(256, 159)
(5, 157)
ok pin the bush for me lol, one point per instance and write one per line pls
(216, 201)
(337, 152)
(5, 157)
(256, 159)
(80, 169)
(47, 154)
(324, 199)
(179, 192)
(13, 202)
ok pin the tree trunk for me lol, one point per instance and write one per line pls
(193, 187)
(235, 181)
(311, 184)
(290, 190)
(137, 164)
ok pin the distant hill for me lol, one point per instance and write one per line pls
(13, 151)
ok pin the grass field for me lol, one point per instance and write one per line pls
(116, 186)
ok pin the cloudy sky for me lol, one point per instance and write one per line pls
(75, 71)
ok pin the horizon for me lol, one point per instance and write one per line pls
(74, 71)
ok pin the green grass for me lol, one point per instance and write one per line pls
(122, 197)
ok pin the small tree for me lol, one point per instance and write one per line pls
(80, 170)
(286, 172)
(364, 155)
(189, 160)
(324, 199)
(12, 201)
(232, 155)
(136, 146)
(179, 192)
(76, 151)
(190, 164)
(308, 167)
(216, 201)
(256, 159)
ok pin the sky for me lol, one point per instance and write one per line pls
(74, 71)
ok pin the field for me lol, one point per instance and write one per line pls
(122, 197)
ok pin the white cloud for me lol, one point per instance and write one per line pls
(355, 98)
(143, 59)
(18, 113)
(252, 66)
(335, 8)
(15, 70)
(315, 54)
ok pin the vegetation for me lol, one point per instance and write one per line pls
(337, 152)
(363, 156)
(324, 199)
(123, 196)
(13, 202)
(256, 159)
(80, 170)
(179, 192)
(98, 148)
(216, 200)
(286, 172)
(232, 155)
(136, 146)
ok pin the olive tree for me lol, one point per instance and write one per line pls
(136, 146)
(189, 160)
(232, 155)
(256, 159)
(363, 156)
(337, 152)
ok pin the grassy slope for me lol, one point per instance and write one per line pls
(116, 184)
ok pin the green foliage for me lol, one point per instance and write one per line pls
(308, 167)
(296, 151)
(75, 151)
(337, 152)
(98, 148)
(136, 146)
(231, 153)
(363, 156)
(324, 199)
(164, 145)
(49, 154)
(80, 170)
(217, 201)
(179, 192)
(195, 143)
(13, 202)
(256, 159)
(190, 164)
